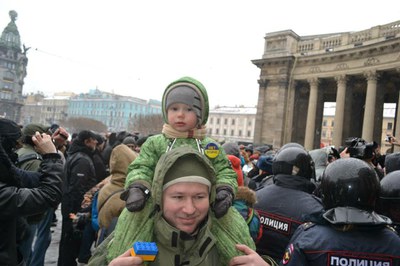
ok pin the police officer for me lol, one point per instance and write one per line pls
(283, 205)
(389, 198)
(349, 232)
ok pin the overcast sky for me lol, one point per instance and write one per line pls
(136, 48)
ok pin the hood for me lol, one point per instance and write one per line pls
(120, 159)
(164, 164)
(320, 157)
(201, 90)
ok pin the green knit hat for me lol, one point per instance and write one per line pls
(189, 91)
(30, 130)
(188, 168)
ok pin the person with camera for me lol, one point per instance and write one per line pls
(16, 200)
(366, 151)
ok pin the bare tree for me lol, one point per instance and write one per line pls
(146, 124)
(77, 124)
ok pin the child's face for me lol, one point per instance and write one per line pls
(181, 117)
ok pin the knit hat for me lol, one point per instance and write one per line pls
(86, 134)
(265, 163)
(129, 140)
(231, 148)
(189, 91)
(187, 168)
(30, 130)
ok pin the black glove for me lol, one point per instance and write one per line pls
(135, 197)
(223, 200)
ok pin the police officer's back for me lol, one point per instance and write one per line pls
(349, 232)
(283, 205)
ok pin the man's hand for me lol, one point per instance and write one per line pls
(43, 143)
(223, 201)
(135, 197)
(126, 260)
(250, 259)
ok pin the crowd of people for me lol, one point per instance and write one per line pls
(201, 202)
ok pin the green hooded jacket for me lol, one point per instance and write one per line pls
(224, 233)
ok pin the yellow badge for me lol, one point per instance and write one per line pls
(211, 150)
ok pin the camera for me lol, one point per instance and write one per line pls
(359, 148)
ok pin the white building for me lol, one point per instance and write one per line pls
(232, 124)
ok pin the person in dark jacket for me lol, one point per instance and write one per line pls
(349, 231)
(282, 205)
(17, 202)
(80, 176)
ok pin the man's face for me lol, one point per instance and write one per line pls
(186, 205)
(91, 143)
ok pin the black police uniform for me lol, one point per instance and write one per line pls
(282, 208)
(315, 244)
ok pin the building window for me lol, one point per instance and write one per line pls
(248, 133)
(217, 131)
(224, 132)
(232, 132)
(333, 123)
(324, 123)
(389, 126)
(233, 122)
(226, 121)
(240, 133)
(211, 120)
(323, 133)
(249, 123)
(218, 121)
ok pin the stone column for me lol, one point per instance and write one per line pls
(339, 112)
(311, 114)
(370, 102)
(262, 92)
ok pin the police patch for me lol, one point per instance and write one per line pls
(288, 254)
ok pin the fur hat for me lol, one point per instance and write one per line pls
(187, 168)
(189, 91)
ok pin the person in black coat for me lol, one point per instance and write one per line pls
(79, 177)
(17, 201)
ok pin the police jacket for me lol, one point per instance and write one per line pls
(80, 176)
(282, 207)
(17, 202)
(371, 242)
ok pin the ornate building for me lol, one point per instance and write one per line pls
(13, 62)
(357, 70)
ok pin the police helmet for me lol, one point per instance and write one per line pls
(349, 182)
(389, 199)
(392, 162)
(293, 161)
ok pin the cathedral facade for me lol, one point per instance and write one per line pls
(359, 71)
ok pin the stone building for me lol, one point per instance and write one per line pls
(357, 70)
(13, 62)
(226, 124)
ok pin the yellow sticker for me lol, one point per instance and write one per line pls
(211, 150)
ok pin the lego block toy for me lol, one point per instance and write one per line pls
(146, 250)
